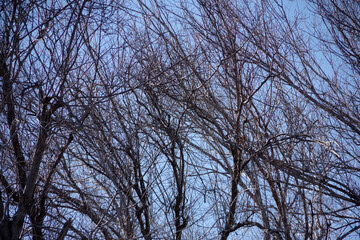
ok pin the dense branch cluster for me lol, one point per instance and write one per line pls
(198, 119)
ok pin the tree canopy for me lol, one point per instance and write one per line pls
(196, 119)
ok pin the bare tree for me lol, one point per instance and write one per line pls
(39, 47)
(191, 120)
(229, 40)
